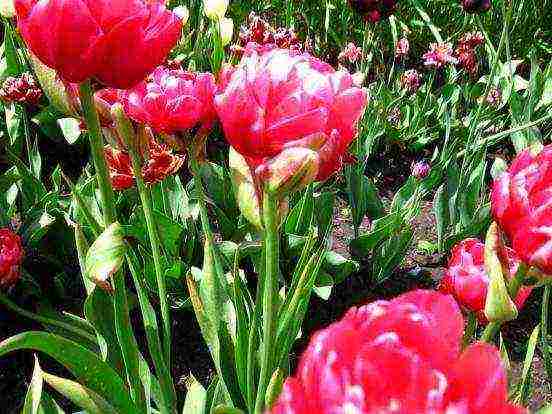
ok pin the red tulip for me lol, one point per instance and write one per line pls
(117, 42)
(439, 55)
(22, 89)
(401, 356)
(277, 99)
(466, 278)
(172, 100)
(160, 164)
(11, 256)
(522, 206)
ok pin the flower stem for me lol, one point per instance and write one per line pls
(492, 329)
(270, 293)
(544, 331)
(123, 326)
(96, 147)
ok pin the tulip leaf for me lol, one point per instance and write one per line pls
(196, 397)
(390, 254)
(524, 390)
(82, 397)
(91, 371)
(34, 393)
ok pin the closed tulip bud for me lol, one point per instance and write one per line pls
(11, 256)
(105, 257)
(244, 188)
(499, 306)
(215, 9)
(183, 13)
(7, 8)
(291, 171)
(226, 30)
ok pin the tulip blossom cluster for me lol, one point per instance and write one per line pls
(374, 10)
(172, 100)
(522, 206)
(259, 31)
(11, 256)
(23, 90)
(116, 43)
(467, 280)
(476, 6)
(160, 164)
(399, 356)
(278, 99)
(440, 55)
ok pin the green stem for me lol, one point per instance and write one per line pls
(96, 148)
(270, 293)
(127, 132)
(469, 332)
(123, 326)
(544, 331)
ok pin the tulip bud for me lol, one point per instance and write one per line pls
(54, 88)
(499, 307)
(274, 388)
(106, 255)
(7, 8)
(290, 171)
(215, 9)
(226, 30)
(183, 13)
(244, 188)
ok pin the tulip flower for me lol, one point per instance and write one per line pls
(411, 80)
(278, 99)
(398, 356)
(351, 53)
(521, 204)
(467, 280)
(226, 30)
(160, 164)
(7, 8)
(117, 43)
(420, 169)
(440, 55)
(402, 48)
(215, 9)
(23, 89)
(11, 256)
(373, 10)
(172, 100)
(476, 6)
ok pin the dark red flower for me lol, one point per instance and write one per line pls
(401, 356)
(466, 278)
(411, 80)
(374, 10)
(261, 32)
(118, 43)
(172, 100)
(278, 99)
(420, 169)
(522, 206)
(160, 164)
(11, 256)
(23, 90)
(476, 6)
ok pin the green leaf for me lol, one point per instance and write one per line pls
(196, 397)
(70, 127)
(390, 254)
(34, 393)
(381, 229)
(441, 212)
(81, 396)
(91, 371)
(523, 393)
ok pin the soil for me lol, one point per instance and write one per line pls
(419, 270)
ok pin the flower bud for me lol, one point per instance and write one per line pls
(215, 9)
(11, 256)
(183, 13)
(226, 30)
(476, 6)
(56, 91)
(106, 255)
(244, 188)
(499, 307)
(7, 8)
(420, 169)
(291, 171)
